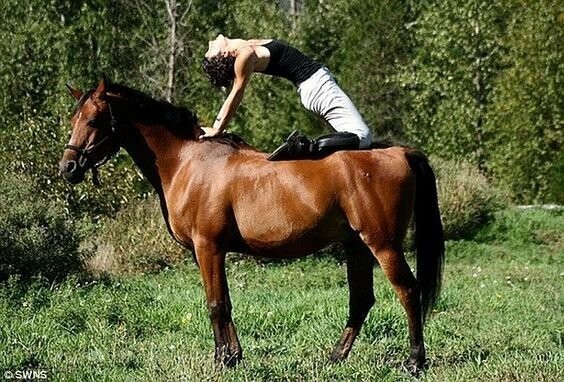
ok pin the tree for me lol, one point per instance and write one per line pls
(455, 55)
(165, 39)
(483, 85)
(524, 121)
(44, 46)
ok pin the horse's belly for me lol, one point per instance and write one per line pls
(284, 234)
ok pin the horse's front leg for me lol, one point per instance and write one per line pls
(211, 261)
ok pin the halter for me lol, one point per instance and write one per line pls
(92, 154)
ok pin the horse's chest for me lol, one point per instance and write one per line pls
(181, 228)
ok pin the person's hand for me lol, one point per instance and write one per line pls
(209, 132)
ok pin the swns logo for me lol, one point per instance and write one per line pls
(28, 374)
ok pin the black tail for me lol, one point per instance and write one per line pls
(429, 239)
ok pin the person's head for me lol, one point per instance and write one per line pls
(219, 62)
(217, 46)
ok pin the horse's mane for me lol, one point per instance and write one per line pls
(179, 120)
(233, 140)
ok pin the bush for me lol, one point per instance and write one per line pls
(136, 240)
(536, 225)
(37, 237)
(36, 145)
(467, 199)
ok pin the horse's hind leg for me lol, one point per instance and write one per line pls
(397, 270)
(360, 264)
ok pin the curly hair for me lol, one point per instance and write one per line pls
(219, 69)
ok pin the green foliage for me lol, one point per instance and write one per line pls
(476, 81)
(556, 181)
(525, 122)
(538, 226)
(37, 237)
(455, 55)
(483, 84)
(44, 46)
(467, 199)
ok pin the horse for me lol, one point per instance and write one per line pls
(221, 195)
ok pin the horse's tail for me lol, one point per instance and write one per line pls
(429, 239)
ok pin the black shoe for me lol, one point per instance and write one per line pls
(281, 153)
(297, 146)
(339, 141)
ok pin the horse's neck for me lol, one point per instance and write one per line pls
(156, 151)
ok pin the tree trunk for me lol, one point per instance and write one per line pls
(171, 8)
(479, 96)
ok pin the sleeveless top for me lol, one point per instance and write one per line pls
(288, 62)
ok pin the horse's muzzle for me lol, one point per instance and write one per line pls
(71, 171)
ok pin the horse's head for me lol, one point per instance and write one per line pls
(93, 138)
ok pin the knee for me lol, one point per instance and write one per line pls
(361, 131)
(216, 310)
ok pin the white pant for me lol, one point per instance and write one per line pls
(321, 95)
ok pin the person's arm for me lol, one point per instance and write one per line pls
(244, 68)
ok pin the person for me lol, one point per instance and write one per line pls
(233, 61)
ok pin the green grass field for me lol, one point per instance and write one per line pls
(500, 319)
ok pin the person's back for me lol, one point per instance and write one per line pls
(235, 60)
(288, 62)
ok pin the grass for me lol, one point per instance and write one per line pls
(500, 319)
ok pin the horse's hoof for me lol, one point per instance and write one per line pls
(337, 356)
(414, 366)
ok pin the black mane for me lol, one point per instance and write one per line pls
(179, 120)
(232, 140)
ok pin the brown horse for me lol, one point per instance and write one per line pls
(221, 195)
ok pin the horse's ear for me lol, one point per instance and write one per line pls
(102, 86)
(77, 94)
(106, 79)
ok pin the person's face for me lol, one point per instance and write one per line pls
(217, 46)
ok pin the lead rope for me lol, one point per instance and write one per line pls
(95, 178)
(113, 123)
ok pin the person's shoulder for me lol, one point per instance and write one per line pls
(246, 57)
(245, 52)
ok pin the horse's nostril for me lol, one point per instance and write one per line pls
(70, 166)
